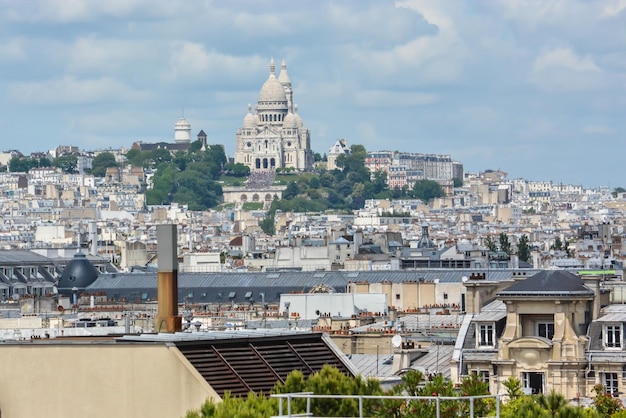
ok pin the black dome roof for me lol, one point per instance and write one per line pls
(78, 273)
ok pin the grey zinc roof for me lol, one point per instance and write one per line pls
(21, 257)
(494, 311)
(294, 278)
(549, 283)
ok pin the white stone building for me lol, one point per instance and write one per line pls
(274, 136)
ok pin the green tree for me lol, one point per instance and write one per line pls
(427, 189)
(67, 163)
(328, 381)
(44, 162)
(558, 244)
(237, 170)
(513, 387)
(136, 157)
(292, 190)
(618, 190)
(490, 243)
(160, 155)
(523, 248)
(254, 406)
(267, 225)
(505, 244)
(101, 162)
(605, 403)
(21, 164)
(314, 183)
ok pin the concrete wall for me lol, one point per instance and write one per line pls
(75, 380)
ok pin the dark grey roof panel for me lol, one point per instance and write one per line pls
(549, 282)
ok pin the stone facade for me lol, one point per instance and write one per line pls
(274, 136)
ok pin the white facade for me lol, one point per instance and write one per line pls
(182, 131)
(274, 136)
(307, 305)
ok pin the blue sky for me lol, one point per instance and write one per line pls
(535, 88)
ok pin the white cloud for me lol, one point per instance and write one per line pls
(614, 9)
(562, 69)
(597, 130)
(71, 91)
(393, 99)
(431, 59)
(11, 50)
(70, 11)
(564, 58)
(102, 56)
(190, 60)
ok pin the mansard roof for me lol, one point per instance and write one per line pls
(549, 283)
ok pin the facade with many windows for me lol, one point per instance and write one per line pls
(548, 331)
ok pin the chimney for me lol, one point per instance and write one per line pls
(93, 237)
(167, 319)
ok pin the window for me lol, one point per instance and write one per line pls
(613, 336)
(248, 295)
(397, 296)
(232, 295)
(610, 383)
(545, 330)
(485, 335)
(483, 375)
(219, 295)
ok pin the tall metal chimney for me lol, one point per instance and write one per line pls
(167, 319)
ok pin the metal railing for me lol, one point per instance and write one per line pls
(361, 398)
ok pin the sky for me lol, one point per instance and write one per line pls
(535, 88)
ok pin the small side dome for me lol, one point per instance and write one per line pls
(283, 77)
(297, 116)
(79, 273)
(290, 121)
(250, 121)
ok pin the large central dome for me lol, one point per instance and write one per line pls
(272, 90)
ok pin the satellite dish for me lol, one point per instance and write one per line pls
(396, 341)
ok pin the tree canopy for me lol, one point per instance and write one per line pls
(67, 163)
(188, 178)
(101, 162)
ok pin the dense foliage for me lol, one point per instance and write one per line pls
(325, 382)
(523, 248)
(329, 381)
(101, 162)
(345, 189)
(186, 177)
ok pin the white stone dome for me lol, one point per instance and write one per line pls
(272, 90)
(297, 116)
(283, 77)
(250, 120)
(290, 121)
(183, 124)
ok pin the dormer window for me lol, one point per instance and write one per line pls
(486, 335)
(545, 330)
(613, 336)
